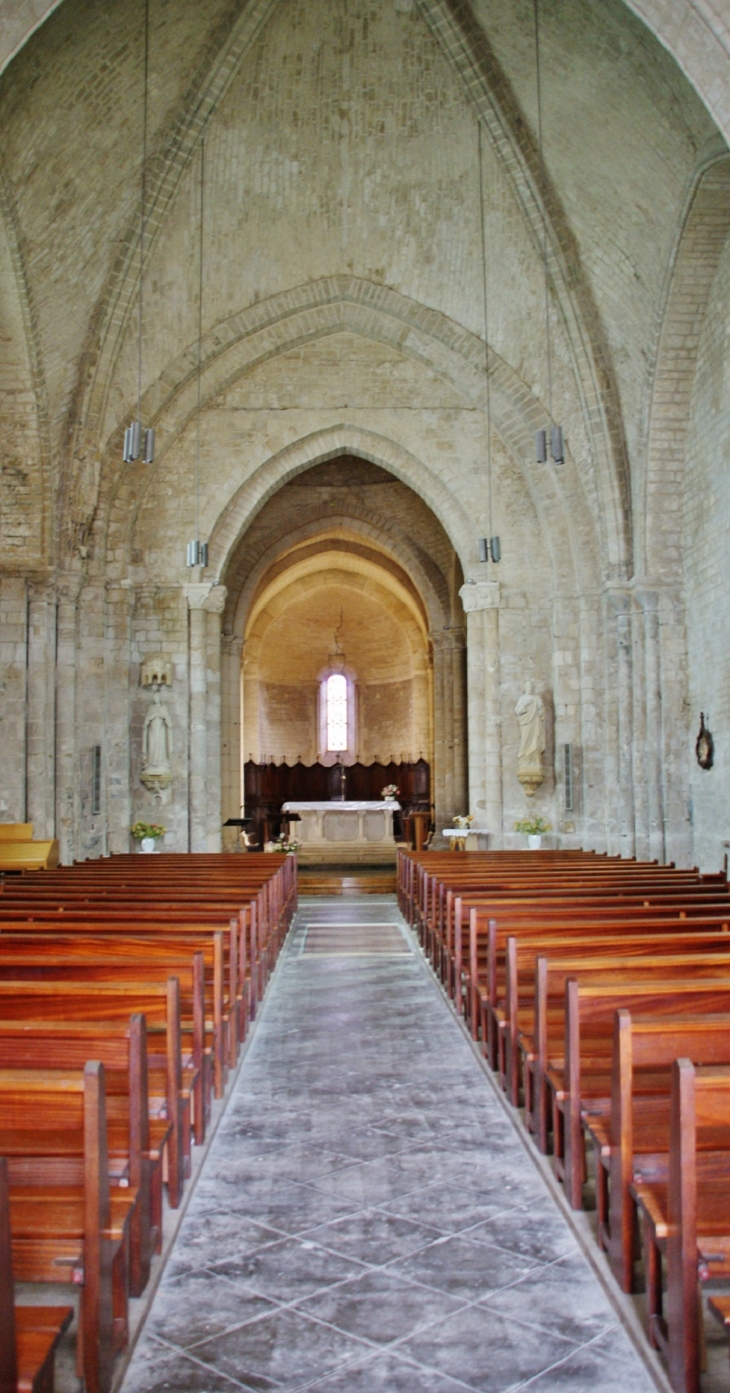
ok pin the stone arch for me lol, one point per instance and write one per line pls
(272, 327)
(702, 235)
(9, 226)
(697, 35)
(257, 540)
(695, 32)
(467, 49)
(369, 526)
(358, 580)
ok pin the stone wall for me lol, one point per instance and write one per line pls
(343, 317)
(706, 532)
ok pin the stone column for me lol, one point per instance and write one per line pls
(13, 697)
(117, 715)
(196, 596)
(231, 735)
(449, 776)
(214, 606)
(649, 601)
(66, 783)
(41, 708)
(481, 603)
(619, 606)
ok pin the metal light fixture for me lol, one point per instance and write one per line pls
(556, 433)
(136, 441)
(197, 553)
(489, 548)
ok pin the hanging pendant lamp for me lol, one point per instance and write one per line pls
(197, 552)
(489, 547)
(552, 436)
(136, 440)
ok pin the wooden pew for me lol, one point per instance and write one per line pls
(582, 1074)
(135, 1139)
(530, 993)
(688, 1217)
(105, 1003)
(66, 1227)
(634, 1139)
(495, 961)
(28, 1334)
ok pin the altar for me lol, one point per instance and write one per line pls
(349, 830)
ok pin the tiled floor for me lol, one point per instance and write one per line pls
(367, 1219)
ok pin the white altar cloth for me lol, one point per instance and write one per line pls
(343, 825)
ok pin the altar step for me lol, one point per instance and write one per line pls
(362, 880)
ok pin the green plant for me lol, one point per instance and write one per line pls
(140, 830)
(532, 826)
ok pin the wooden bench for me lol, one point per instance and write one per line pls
(581, 1075)
(687, 1217)
(28, 1334)
(68, 1227)
(107, 1003)
(136, 1136)
(633, 1140)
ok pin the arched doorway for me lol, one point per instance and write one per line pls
(346, 567)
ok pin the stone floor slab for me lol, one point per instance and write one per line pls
(367, 1218)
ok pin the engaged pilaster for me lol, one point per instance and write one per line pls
(481, 601)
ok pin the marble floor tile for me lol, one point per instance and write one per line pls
(193, 1308)
(387, 1373)
(284, 1350)
(380, 1307)
(156, 1368)
(492, 1354)
(367, 1220)
(607, 1365)
(459, 1267)
(561, 1297)
(288, 1270)
(373, 1236)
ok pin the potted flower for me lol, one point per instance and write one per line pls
(533, 828)
(147, 833)
(390, 792)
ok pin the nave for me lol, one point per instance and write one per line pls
(367, 1217)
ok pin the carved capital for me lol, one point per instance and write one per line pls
(197, 594)
(479, 594)
(448, 640)
(215, 602)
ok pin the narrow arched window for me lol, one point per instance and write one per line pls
(336, 700)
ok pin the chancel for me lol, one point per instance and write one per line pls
(364, 515)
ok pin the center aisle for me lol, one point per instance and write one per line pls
(367, 1218)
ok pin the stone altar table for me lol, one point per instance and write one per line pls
(344, 831)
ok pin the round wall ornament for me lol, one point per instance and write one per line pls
(705, 745)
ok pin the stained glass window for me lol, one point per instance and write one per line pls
(336, 712)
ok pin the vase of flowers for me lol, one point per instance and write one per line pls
(147, 834)
(464, 820)
(534, 829)
(390, 792)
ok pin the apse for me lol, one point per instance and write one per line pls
(336, 614)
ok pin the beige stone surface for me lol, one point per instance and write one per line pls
(343, 331)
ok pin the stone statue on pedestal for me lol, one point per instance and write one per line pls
(530, 712)
(157, 742)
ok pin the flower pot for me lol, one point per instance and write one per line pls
(534, 841)
(147, 844)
